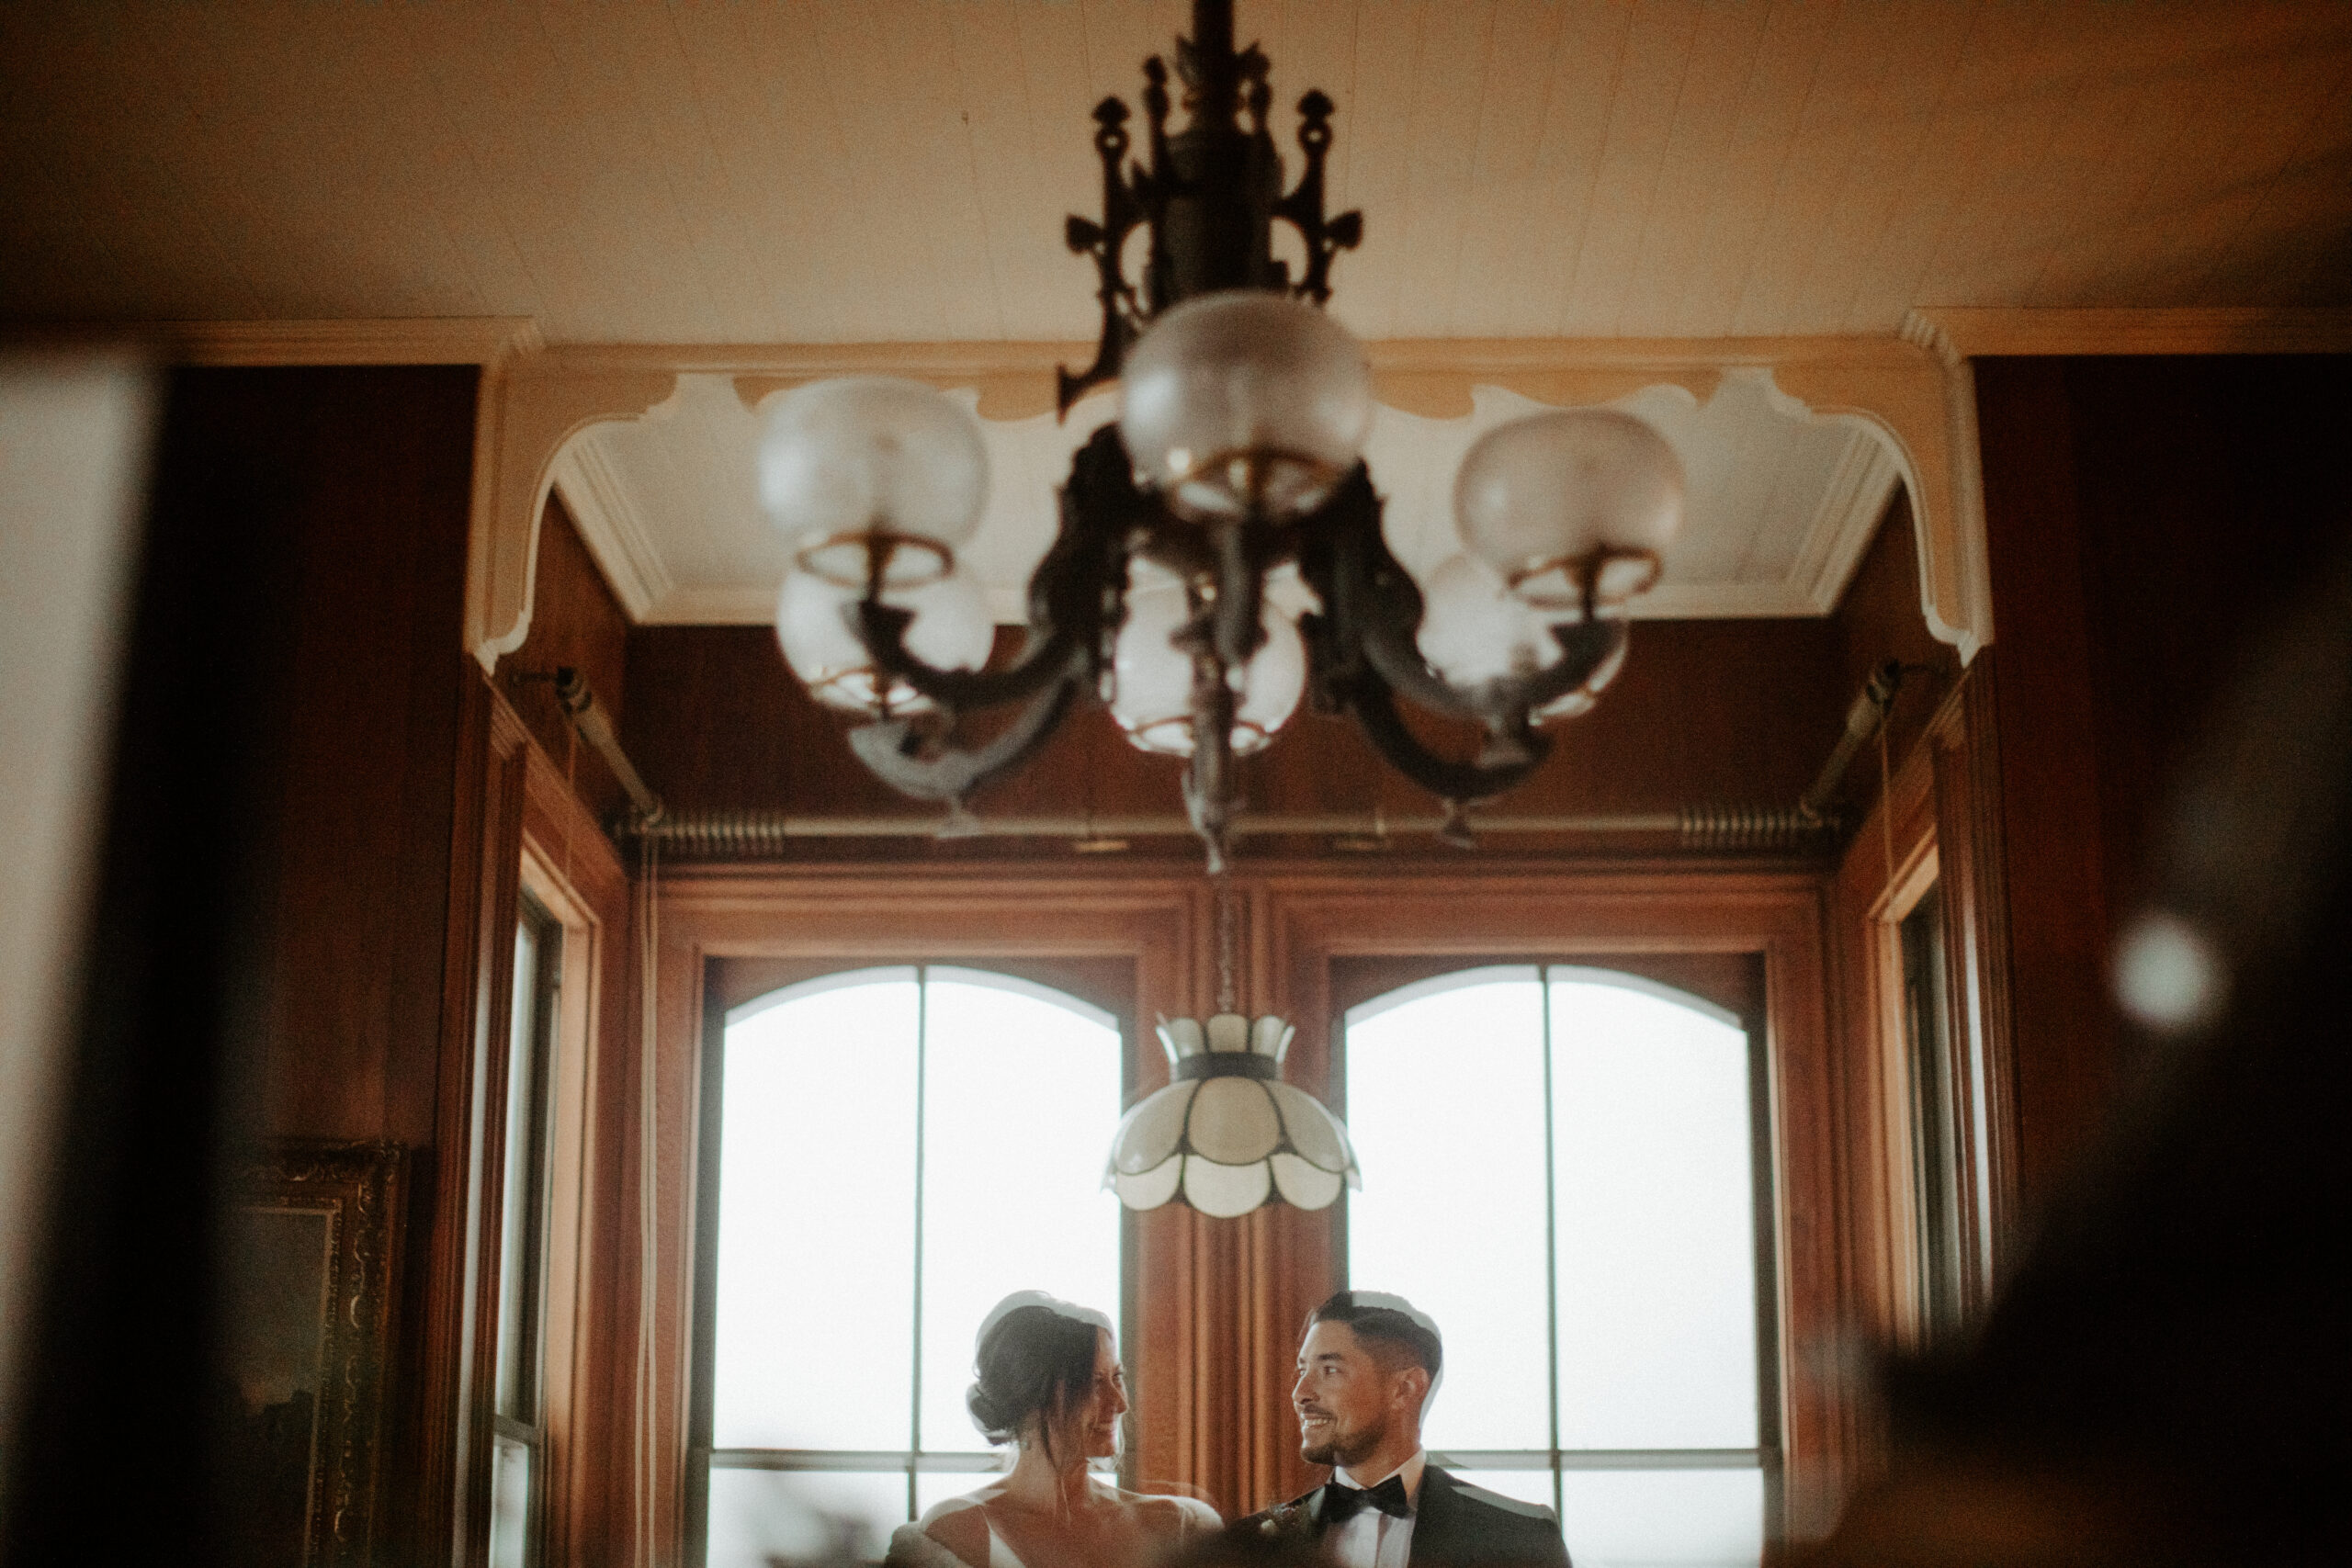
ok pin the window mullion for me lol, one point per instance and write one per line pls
(1551, 1241)
(922, 1085)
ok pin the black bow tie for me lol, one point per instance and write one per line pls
(1343, 1502)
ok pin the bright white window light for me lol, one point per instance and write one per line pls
(1647, 1322)
(831, 1093)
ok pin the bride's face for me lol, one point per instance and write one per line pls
(1089, 1424)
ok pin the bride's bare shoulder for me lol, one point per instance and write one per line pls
(1175, 1516)
(960, 1525)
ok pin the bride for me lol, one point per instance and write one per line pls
(1048, 1381)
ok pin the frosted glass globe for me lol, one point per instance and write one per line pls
(1152, 679)
(1475, 630)
(952, 630)
(847, 458)
(1244, 403)
(1540, 492)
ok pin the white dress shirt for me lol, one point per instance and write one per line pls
(1372, 1539)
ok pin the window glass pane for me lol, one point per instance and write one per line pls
(1022, 1090)
(1657, 1228)
(1686, 1519)
(510, 1503)
(815, 1332)
(1445, 1105)
(517, 1276)
(934, 1486)
(1527, 1485)
(760, 1517)
(1935, 1134)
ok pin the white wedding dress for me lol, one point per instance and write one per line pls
(912, 1548)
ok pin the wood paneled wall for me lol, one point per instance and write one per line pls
(1877, 620)
(1734, 711)
(576, 623)
(272, 929)
(2145, 517)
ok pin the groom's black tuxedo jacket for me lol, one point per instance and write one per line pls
(1455, 1525)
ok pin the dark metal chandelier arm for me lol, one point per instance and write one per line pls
(1372, 617)
(1073, 594)
(908, 755)
(1049, 656)
(1390, 649)
(1369, 701)
(1371, 609)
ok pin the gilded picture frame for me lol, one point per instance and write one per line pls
(313, 1259)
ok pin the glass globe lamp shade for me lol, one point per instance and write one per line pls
(1152, 678)
(1541, 499)
(1244, 405)
(1226, 1135)
(1475, 630)
(952, 630)
(870, 465)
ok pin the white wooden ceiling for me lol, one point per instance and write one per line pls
(1781, 506)
(856, 170)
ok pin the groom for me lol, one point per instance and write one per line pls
(1364, 1372)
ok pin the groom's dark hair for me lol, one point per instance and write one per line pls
(1389, 1322)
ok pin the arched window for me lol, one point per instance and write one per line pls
(1567, 1181)
(898, 1149)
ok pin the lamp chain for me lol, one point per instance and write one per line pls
(1224, 994)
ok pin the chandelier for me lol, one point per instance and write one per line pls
(1235, 463)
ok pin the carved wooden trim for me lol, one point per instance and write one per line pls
(395, 339)
(529, 408)
(573, 870)
(1900, 392)
(1973, 850)
(1973, 332)
(612, 526)
(485, 863)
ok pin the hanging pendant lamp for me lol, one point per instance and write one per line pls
(1227, 1135)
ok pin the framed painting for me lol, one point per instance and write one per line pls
(311, 1257)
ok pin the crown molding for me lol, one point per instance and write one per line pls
(390, 340)
(732, 605)
(1957, 332)
(612, 525)
(1860, 488)
(1913, 395)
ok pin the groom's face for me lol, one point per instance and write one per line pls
(1346, 1399)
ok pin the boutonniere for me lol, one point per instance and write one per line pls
(1292, 1521)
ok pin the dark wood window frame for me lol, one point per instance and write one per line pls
(1107, 982)
(1733, 981)
(1214, 1330)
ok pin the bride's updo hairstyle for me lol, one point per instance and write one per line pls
(1035, 1355)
